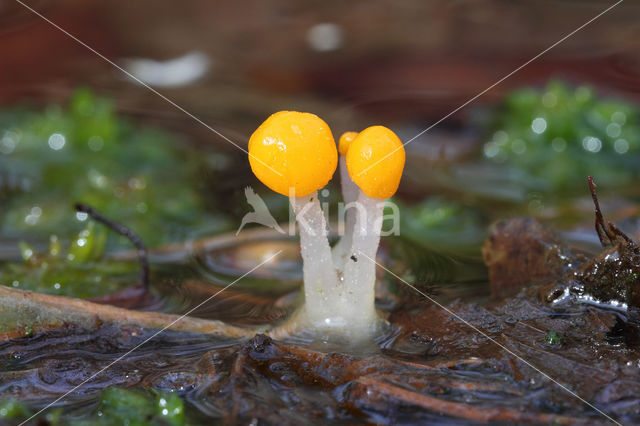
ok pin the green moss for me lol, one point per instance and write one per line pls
(85, 152)
(80, 272)
(553, 338)
(11, 409)
(561, 134)
(137, 407)
(117, 406)
(439, 240)
(444, 225)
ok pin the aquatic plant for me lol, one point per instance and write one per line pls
(559, 134)
(294, 154)
(137, 406)
(79, 271)
(86, 151)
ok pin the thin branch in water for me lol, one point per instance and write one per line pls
(143, 255)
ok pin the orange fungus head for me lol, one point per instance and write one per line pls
(293, 153)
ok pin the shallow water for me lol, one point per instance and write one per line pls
(407, 68)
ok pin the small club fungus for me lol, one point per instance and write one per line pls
(294, 154)
(375, 161)
(341, 251)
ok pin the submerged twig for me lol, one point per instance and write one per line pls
(143, 255)
(47, 312)
(463, 410)
(608, 233)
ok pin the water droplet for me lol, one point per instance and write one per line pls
(583, 94)
(592, 144)
(539, 125)
(137, 183)
(501, 137)
(34, 216)
(518, 146)
(97, 179)
(613, 130)
(95, 143)
(549, 100)
(491, 149)
(57, 141)
(621, 146)
(8, 143)
(558, 144)
(619, 117)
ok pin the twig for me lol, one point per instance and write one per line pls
(608, 233)
(143, 255)
(461, 410)
(46, 312)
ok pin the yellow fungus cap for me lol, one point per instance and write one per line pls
(297, 145)
(345, 141)
(375, 161)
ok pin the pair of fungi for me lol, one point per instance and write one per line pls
(294, 154)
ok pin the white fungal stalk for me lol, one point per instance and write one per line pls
(322, 292)
(360, 267)
(342, 250)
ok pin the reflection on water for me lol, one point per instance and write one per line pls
(270, 294)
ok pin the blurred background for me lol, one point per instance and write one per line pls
(525, 147)
(354, 63)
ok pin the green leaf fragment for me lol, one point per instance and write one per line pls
(553, 338)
